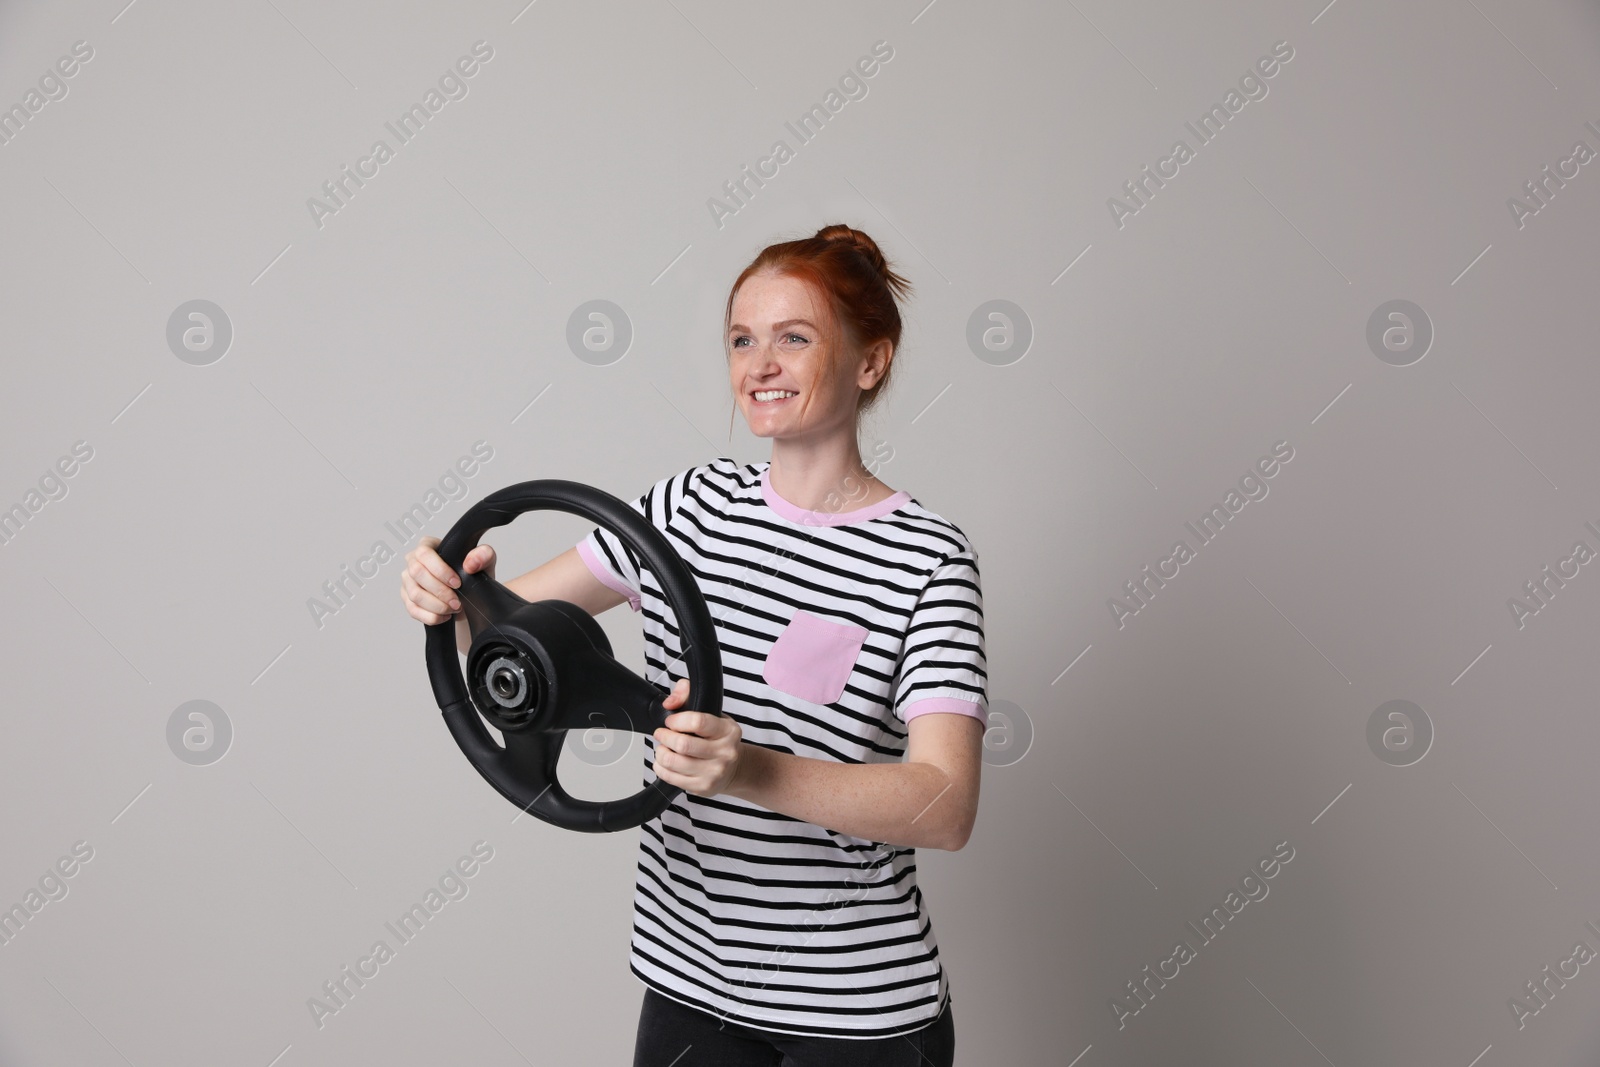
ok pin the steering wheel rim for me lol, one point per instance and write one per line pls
(539, 669)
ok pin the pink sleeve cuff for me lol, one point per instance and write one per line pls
(955, 705)
(603, 573)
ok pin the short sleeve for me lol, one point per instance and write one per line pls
(615, 564)
(942, 662)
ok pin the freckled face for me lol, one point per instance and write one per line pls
(776, 349)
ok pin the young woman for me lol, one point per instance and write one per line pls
(777, 918)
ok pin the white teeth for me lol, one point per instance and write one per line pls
(773, 394)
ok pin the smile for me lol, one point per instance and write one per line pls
(772, 396)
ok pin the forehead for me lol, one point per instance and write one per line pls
(766, 298)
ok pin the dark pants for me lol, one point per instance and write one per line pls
(676, 1035)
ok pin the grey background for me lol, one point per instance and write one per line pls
(1229, 313)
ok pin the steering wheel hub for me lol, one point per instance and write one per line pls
(507, 684)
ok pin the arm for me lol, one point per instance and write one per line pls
(928, 801)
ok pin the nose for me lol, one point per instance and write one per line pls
(763, 361)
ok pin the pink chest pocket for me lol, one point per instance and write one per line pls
(813, 658)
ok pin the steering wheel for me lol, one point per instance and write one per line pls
(539, 669)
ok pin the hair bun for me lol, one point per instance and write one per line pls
(861, 242)
(839, 233)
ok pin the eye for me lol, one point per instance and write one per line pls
(801, 336)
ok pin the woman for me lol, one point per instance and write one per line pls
(777, 918)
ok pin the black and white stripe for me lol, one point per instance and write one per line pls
(746, 913)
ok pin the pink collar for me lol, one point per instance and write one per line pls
(804, 517)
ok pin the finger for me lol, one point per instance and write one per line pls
(428, 561)
(429, 617)
(425, 570)
(683, 744)
(430, 593)
(439, 599)
(679, 693)
(480, 558)
(674, 763)
(694, 722)
(670, 776)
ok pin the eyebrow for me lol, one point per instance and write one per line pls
(775, 326)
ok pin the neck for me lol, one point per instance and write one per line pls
(827, 477)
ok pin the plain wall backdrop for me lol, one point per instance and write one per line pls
(230, 369)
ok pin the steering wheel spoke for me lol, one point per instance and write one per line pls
(531, 752)
(486, 602)
(603, 694)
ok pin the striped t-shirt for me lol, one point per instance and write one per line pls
(835, 630)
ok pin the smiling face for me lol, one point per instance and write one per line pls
(781, 339)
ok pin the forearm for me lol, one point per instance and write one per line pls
(910, 804)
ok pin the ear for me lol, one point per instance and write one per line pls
(875, 362)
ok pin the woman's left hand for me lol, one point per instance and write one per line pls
(697, 752)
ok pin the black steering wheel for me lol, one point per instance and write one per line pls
(537, 670)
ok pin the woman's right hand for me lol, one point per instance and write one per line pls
(428, 585)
